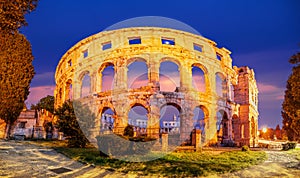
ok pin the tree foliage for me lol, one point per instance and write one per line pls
(16, 72)
(291, 104)
(12, 13)
(16, 69)
(75, 121)
(45, 103)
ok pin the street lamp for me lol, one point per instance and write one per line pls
(264, 130)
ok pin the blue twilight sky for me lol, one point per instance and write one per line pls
(261, 34)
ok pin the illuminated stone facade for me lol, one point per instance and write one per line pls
(230, 116)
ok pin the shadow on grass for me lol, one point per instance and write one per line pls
(179, 164)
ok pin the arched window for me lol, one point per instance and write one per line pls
(107, 78)
(137, 74)
(169, 77)
(231, 92)
(199, 117)
(222, 125)
(107, 120)
(198, 79)
(221, 86)
(242, 131)
(69, 90)
(170, 119)
(85, 86)
(138, 118)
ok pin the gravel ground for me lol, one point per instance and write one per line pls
(20, 159)
(279, 164)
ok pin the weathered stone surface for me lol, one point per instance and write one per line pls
(242, 105)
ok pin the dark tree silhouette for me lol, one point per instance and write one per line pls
(16, 72)
(16, 69)
(12, 13)
(75, 121)
(45, 103)
(291, 104)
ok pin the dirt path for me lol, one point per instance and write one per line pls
(20, 159)
(279, 164)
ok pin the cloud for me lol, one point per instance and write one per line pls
(36, 93)
(270, 96)
(43, 79)
(268, 88)
(270, 92)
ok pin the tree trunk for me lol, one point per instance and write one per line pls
(7, 130)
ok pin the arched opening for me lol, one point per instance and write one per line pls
(107, 77)
(222, 125)
(107, 120)
(221, 88)
(242, 131)
(138, 118)
(169, 77)
(200, 113)
(85, 86)
(170, 119)
(60, 95)
(199, 116)
(231, 92)
(198, 79)
(235, 126)
(253, 128)
(137, 74)
(69, 90)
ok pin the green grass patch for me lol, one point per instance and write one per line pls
(295, 152)
(174, 164)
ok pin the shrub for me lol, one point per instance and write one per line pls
(128, 131)
(289, 145)
(245, 148)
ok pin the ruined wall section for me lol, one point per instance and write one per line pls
(246, 94)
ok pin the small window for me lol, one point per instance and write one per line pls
(106, 46)
(22, 125)
(135, 40)
(198, 47)
(168, 41)
(219, 56)
(85, 53)
(70, 63)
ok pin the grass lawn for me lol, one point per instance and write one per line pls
(180, 164)
(295, 152)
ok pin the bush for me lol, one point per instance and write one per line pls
(79, 141)
(245, 148)
(289, 146)
(128, 131)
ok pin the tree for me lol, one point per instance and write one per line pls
(45, 103)
(291, 103)
(16, 72)
(12, 13)
(75, 121)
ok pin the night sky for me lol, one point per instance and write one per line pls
(260, 34)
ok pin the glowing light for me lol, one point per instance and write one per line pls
(264, 130)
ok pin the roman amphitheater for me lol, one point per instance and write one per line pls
(226, 95)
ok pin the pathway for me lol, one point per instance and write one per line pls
(279, 164)
(20, 159)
